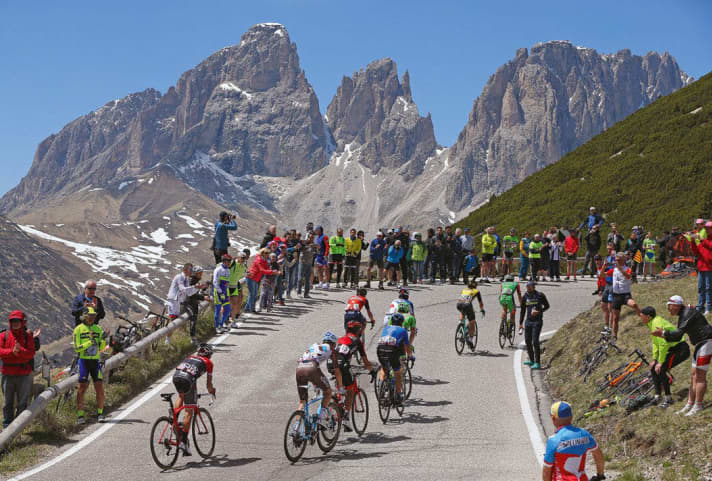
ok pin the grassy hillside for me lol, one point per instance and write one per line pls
(649, 444)
(649, 169)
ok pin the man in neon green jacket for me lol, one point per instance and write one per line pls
(666, 354)
(337, 251)
(489, 244)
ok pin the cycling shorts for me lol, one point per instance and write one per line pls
(466, 309)
(336, 258)
(507, 302)
(703, 355)
(606, 295)
(350, 316)
(321, 260)
(618, 300)
(308, 372)
(389, 357)
(89, 367)
(345, 367)
(487, 257)
(185, 385)
(375, 262)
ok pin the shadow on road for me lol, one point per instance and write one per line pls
(341, 455)
(421, 381)
(375, 438)
(424, 403)
(484, 353)
(417, 418)
(125, 421)
(221, 461)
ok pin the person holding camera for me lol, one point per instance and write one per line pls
(89, 341)
(86, 299)
(220, 241)
(17, 350)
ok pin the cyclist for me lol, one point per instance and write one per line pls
(506, 297)
(185, 379)
(346, 347)
(391, 346)
(408, 322)
(402, 299)
(359, 303)
(309, 371)
(89, 340)
(464, 305)
(566, 449)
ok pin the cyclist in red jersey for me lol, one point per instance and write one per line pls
(359, 303)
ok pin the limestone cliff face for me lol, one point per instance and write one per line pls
(545, 103)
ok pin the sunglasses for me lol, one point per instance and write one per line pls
(91, 288)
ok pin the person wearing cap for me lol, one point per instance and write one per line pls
(191, 304)
(375, 252)
(702, 248)
(593, 219)
(179, 290)
(17, 350)
(89, 340)
(535, 247)
(533, 305)
(568, 447)
(87, 298)
(489, 244)
(221, 294)
(691, 322)
(353, 251)
(220, 240)
(666, 354)
(701, 229)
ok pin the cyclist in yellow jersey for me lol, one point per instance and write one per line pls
(464, 305)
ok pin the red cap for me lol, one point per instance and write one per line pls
(16, 315)
(226, 257)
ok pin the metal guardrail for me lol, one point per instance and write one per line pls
(42, 400)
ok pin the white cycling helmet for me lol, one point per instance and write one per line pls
(329, 337)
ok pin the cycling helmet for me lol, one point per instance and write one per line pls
(472, 284)
(508, 278)
(329, 337)
(205, 350)
(403, 293)
(397, 319)
(403, 308)
(88, 311)
(196, 269)
(361, 291)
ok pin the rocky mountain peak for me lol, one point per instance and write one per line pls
(374, 111)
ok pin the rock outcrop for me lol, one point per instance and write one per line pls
(545, 103)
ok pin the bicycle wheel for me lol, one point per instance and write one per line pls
(384, 400)
(474, 337)
(399, 406)
(511, 333)
(645, 387)
(295, 441)
(459, 339)
(502, 333)
(203, 433)
(407, 382)
(164, 443)
(326, 438)
(359, 412)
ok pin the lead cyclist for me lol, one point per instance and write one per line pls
(506, 298)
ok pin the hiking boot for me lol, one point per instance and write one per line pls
(380, 285)
(667, 402)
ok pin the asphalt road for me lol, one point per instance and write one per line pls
(463, 421)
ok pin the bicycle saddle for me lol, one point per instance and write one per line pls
(167, 396)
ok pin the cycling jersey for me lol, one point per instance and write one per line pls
(195, 366)
(394, 306)
(349, 345)
(535, 249)
(317, 353)
(489, 244)
(408, 322)
(83, 343)
(506, 297)
(221, 282)
(566, 452)
(511, 243)
(357, 303)
(467, 295)
(337, 245)
(649, 249)
(394, 336)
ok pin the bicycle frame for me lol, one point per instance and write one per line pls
(174, 414)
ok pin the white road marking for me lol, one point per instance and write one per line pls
(534, 434)
(93, 436)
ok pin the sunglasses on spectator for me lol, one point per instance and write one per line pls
(91, 288)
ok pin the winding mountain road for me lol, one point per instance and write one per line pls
(464, 419)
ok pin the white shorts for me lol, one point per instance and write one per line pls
(173, 308)
(703, 355)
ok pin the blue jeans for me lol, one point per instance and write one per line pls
(292, 277)
(305, 274)
(252, 287)
(524, 268)
(704, 290)
(418, 270)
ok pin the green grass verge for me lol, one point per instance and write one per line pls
(650, 443)
(53, 427)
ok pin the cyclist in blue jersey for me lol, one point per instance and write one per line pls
(567, 448)
(392, 345)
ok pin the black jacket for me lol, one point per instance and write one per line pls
(531, 301)
(269, 237)
(593, 241)
(691, 322)
(78, 307)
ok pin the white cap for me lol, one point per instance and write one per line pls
(592, 208)
(676, 301)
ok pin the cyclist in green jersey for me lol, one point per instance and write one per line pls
(506, 297)
(511, 245)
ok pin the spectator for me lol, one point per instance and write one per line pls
(472, 264)
(593, 219)
(418, 253)
(620, 291)
(447, 252)
(353, 252)
(221, 294)
(395, 254)
(545, 256)
(306, 254)
(238, 269)
(322, 257)
(700, 230)
(455, 247)
(17, 350)
(693, 323)
(259, 268)
(179, 290)
(569, 443)
(633, 247)
(337, 250)
(614, 237)
(89, 341)
(593, 245)
(88, 298)
(662, 248)
(535, 247)
(403, 236)
(649, 246)
(376, 252)
(555, 259)
(191, 305)
(571, 247)
(666, 354)
(534, 304)
(437, 265)
(510, 244)
(291, 266)
(703, 251)
(524, 256)
(269, 236)
(269, 283)
(221, 241)
(467, 241)
(489, 244)
(606, 275)
(428, 243)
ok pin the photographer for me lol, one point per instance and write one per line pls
(87, 299)
(220, 241)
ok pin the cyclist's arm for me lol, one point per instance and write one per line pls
(337, 371)
(209, 380)
(544, 303)
(479, 299)
(523, 310)
(364, 357)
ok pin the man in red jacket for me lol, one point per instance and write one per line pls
(17, 349)
(702, 248)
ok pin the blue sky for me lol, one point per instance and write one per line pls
(60, 60)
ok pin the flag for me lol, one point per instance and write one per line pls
(638, 257)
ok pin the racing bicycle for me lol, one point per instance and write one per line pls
(303, 427)
(461, 333)
(359, 408)
(506, 331)
(386, 395)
